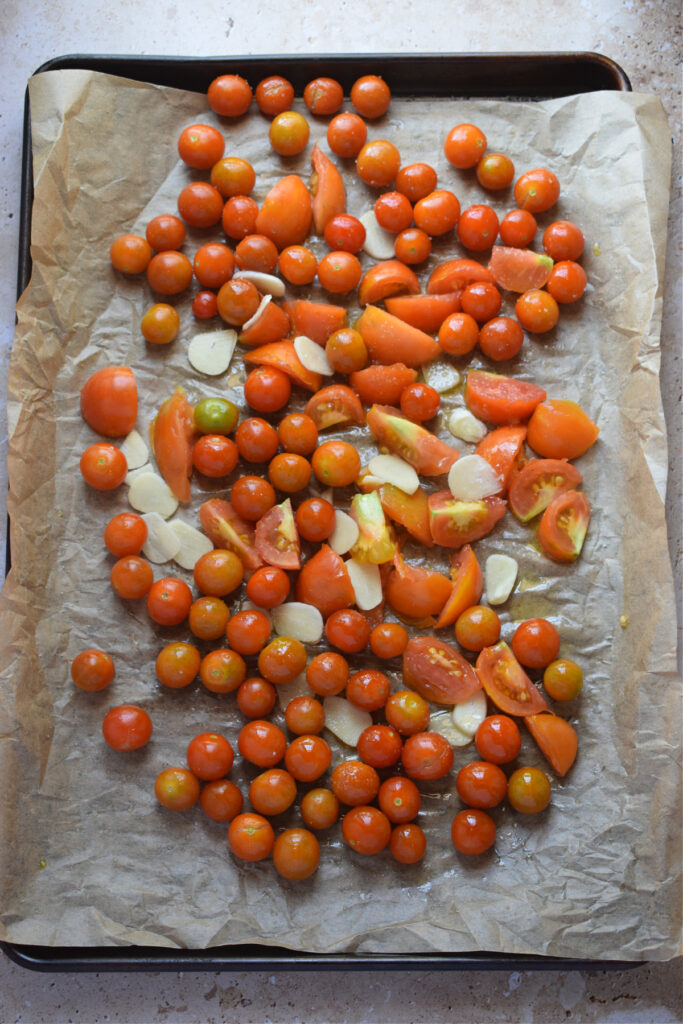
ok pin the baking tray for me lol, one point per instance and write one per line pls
(523, 76)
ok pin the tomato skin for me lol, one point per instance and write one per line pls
(262, 743)
(503, 401)
(535, 643)
(169, 601)
(563, 526)
(319, 808)
(501, 339)
(407, 844)
(272, 792)
(92, 670)
(109, 401)
(473, 832)
(327, 190)
(171, 434)
(409, 510)
(251, 837)
(225, 529)
(325, 583)
(371, 96)
(103, 466)
(389, 277)
(425, 452)
(477, 627)
(177, 665)
(296, 854)
(399, 798)
(498, 739)
(481, 785)
(390, 340)
(455, 523)
(537, 190)
(221, 800)
(503, 449)
(130, 254)
(563, 679)
(560, 429)
(415, 592)
(276, 538)
(336, 463)
(366, 830)
(209, 756)
(308, 757)
(438, 671)
(334, 405)
(380, 746)
(506, 682)
(529, 790)
(126, 727)
(200, 146)
(537, 483)
(348, 630)
(288, 133)
(177, 789)
(467, 586)
(229, 95)
(131, 577)
(556, 739)
(282, 660)
(286, 213)
(437, 213)
(464, 146)
(427, 756)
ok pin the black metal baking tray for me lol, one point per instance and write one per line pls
(524, 76)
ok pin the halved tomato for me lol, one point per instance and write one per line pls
(563, 526)
(382, 384)
(503, 448)
(334, 405)
(389, 277)
(324, 582)
(438, 672)
(170, 434)
(286, 212)
(423, 450)
(411, 511)
(316, 320)
(327, 190)
(225, 529)
(282, 355)
(416, 593)
(501, 400)
(454, 275)
(109, 401)
(560, 429)
(455, 523)
(535, 486)
(390, 340)
(518, 270)
(506, 682)
(376, 542)
(467, 587)
(556, 739)
(276, 537)
(426, 312)
(272, 325)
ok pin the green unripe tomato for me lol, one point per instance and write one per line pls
(215, 416)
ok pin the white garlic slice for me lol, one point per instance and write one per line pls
(345, 720)
(135, 449)
(378, 243)
(211, 353)
(312, 356)
(390, 469)
(500, 574)
(345, 533)
(468, 714)
(267, 284)
(299, 620)
(366, 582)
(465, 426)
(150, 493)
(472, 478)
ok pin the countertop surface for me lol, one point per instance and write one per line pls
(645, 39)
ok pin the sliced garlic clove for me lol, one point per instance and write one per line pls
(500, 574)
(248, 606)
(442, 722)
(298, 687)
(162, 542)
(258, 314)
(150, 493)
(470, 713)
(133, 474)
(441, 375)
(390, 469)
(136, 451)
(267, 284)
(211, 353)
(193, 544)
(312, 356)
(345, 533)
(345, 720)
(296, 619)
(462, 424)
(366, 582)
(472, 478)
(378, 243)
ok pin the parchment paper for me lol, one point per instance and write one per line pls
(87, 857)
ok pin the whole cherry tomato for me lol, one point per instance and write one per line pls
(177, 789)
(103, 466)
(169, 601)
(92, 670)
(126, 727)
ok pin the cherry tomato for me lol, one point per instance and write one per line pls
(160, 324)
(214, 264)
(498, 739)
(218, 572)
(298, 433)
(354, 783)
(501, 338)
(481, 784)
(529, 790)
(239, 217)
(518, 228)
(251, 837)
(272, 792)
(214, 455)
(458, 334)
(407, 712)
(305, 716)
(327, 674)
(282, 660)
(473, 832)
(368, 689)
(477, 627)
(200, 204)
(209, 756)
(464, 146)
(130, 254)
(478, 227)
(567, 281)
(215, 416)
(233, 176)
(315, 519)
(393, 211)
(412, 246)
(200, 146)
(248, 631)
(103, 466)
(537, 190)
(131, 577)
(339, 272)
(437, 213)
(92, 670)
(222, 671)
(125, 534)
(420, 402)
(109, 401)
(256, 252)
(252, 497)
(344, 233)
(388, 640)
(221, 800)
(495, 171)
(256, 440)
(323, 96)
(537, 311)
(407, 844)
(348, 630)
(378, 162)
(296, 854)
(298, 265)
(371, 96)
(208, 618)
(399, 798)
(289, 473)
(169, 601)
(268, 587)
(319, 808)
(563, 679)
(506, 682)
(563, 240)
(262, 743)
(535, 643)
(274, 94)
(177, 665)
(481, 300)
(169, 272)
(176, 789)
(289, 133)
(308, 757)
(126, 727)
(346, 135)
(256, 697)
(229, 95)
(336, 463)
(379, 746)
(415, 181)
(165, 232)
(267, 389)
(366, 830)
(427, 755)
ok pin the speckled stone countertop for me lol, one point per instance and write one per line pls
(645, 39)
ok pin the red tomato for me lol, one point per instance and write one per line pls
(165, 232)
(400, 799)
(256, 697)
(345, 233)
(366, 830)
(339, 272)
(317, 320)
(415, 592)
(268, 587)
(213, 264)
(560, 429)
(537, 311)
(298, 265)
(354, 783)
(407, 844)
(454, 275)
(169, 601)
(200, 146)
(131, 577)
(109, 401)
(348, 630)
(425, 452)
(286, 213)
(177, 665)
(388, 640)
(501, 400)
(308, 757)
(282, 355)
(346, 135)
(277, 540)
(214, 455)
(503, 448)
(298, 433)
(126, 727)
(262, 743)
(420, 402)
(229, 95)
(478, 227)
(267, 389)
(498, 739)
(467, 586)
(567, 281)
(537, 483)
(409, 510)
(103, 466)
(177, 789)
(455, 523)
(477, 627)
(274, 94)
(506, 682)
(393, 211)
(416, 181)
(325, 583)
(378, 162)
(389, 277)
(518, 228)
(232, 536)
(529, 790)
(438, 671)
(251, 837)
(380, 746)
(272, 792)
(464, 146)
(335, 405)
(282, 660)
(221, 800)
(336, 463)
(407, 712)
(382, 384)
(252, 497)
(563, 526)
(233, 176)
(130, 254)
(327, 674)
(296, 854)
(426, 312)
(480, 784)
(248, 631)
(437, 213)
(427, 755)
(319, 808)
(256, 439)
(371, 96)
(495, 171)
(556, 739)
(200, 204)
(209, 756)
(92, 670)
(473, 832)
(315, 519)
(327, 191)
(563, 240)
(171, 433)
(390, 340)
(288, 133)
(537, 190)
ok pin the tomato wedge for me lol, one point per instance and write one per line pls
(282, 355)
(438, 672)
(225, 529)
(535, 486)
(324, 582)
(423, 450)
(416, 593)
(327, 190)
(382, 384)
(276, 537)
(376, 543)
(390, 340)
(286, 212)
(109, 401)
(556, 739)
(170, 435)
(389, 277)
(455, 523)
(519, 270)
(560, 429)
(426, 312)
(467, 588)
(501, 400)
(503, 448)
(506, 682)
(411, 511)
(272, 325)
(335, 405)
(454, 275)
(317, 320)
(563, 526)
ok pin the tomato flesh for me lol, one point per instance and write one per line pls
(282, 355)
(382, 384)
(334, 405)
(425, 452)
(286, 213)
(506, 682)
(535, 486)
(438, 672)
(325, 583)
(276, 537)
(327, 190)
(411, 511)
(171, 435)
(556, 739)
(455, 523)
(389, 277)
(390, 340)
(468, 585)
(501, 400)
(225, 529)
(426, 312)
(563, 526)
(503, 448)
